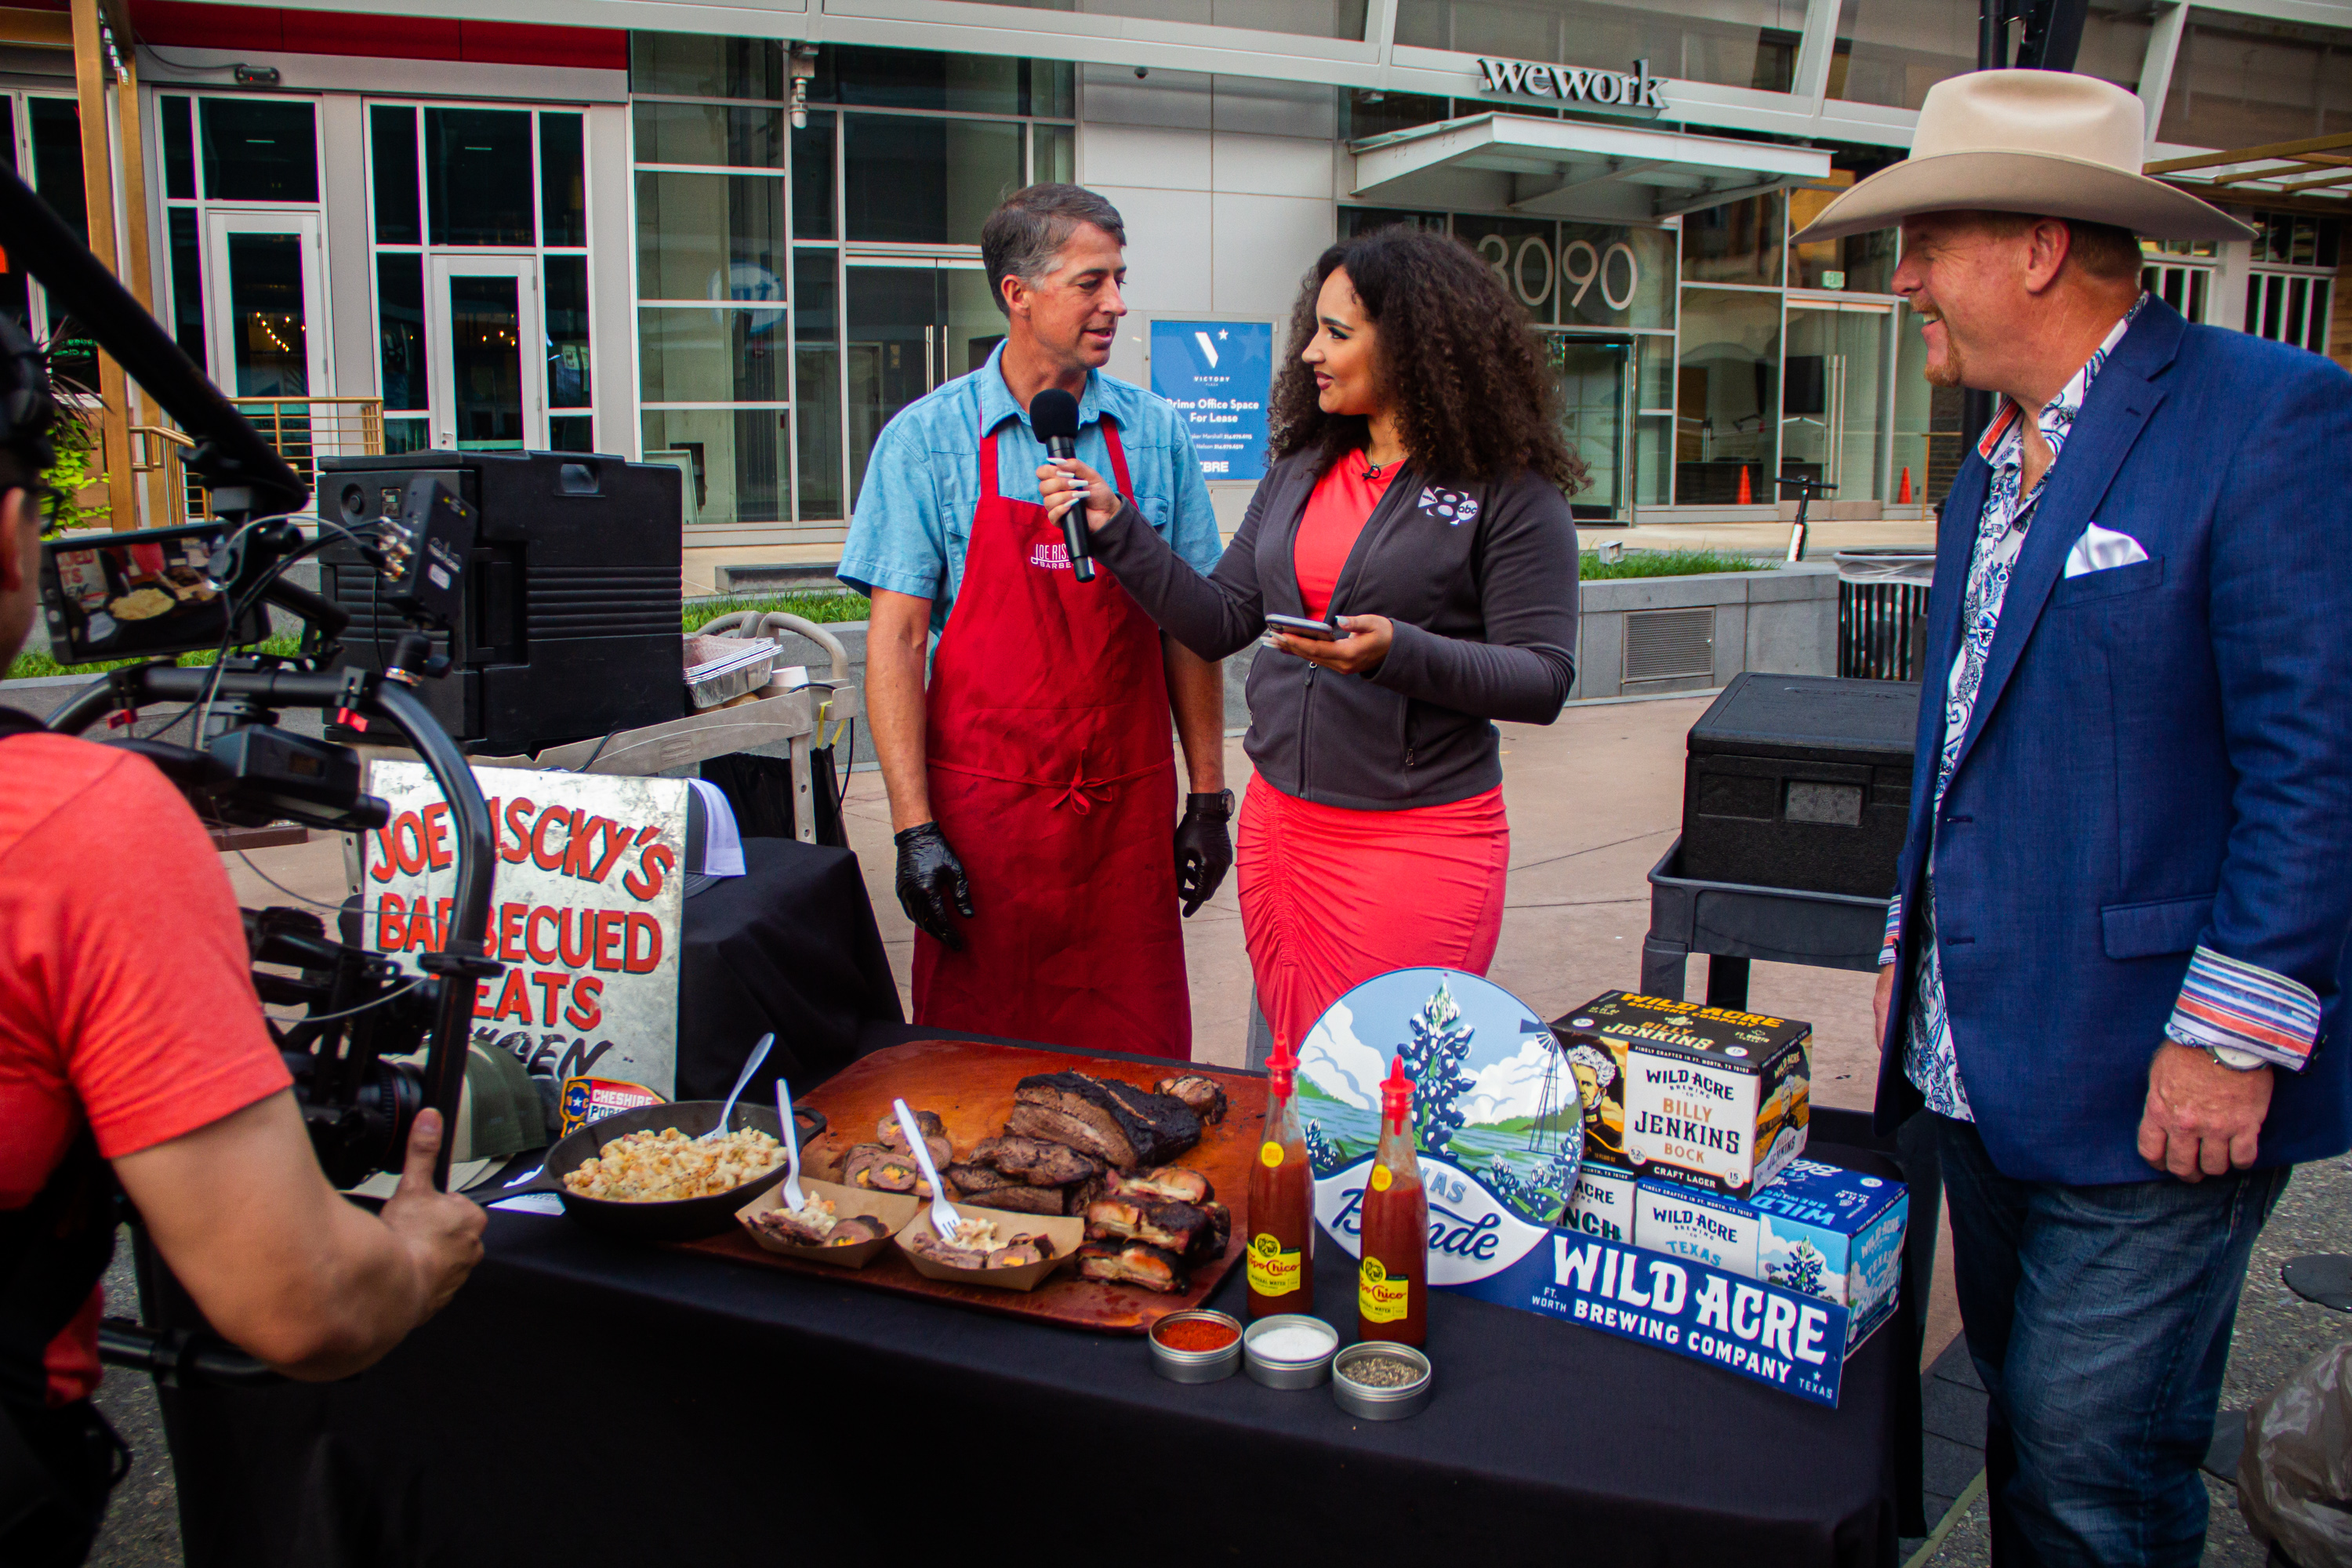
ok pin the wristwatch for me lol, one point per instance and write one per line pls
(2235, 1058)
(1213, 807)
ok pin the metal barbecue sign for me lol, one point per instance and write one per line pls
(586, 911)
(1636, 92)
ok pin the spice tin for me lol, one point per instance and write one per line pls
(1381, 1404)
(1196, 1367)
(1287, 1374)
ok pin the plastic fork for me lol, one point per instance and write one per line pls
(944, 1218)
(726, 1112)
(794, 1199)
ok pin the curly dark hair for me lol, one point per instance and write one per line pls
(1473, 398)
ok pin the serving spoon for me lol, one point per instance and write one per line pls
(726, 1113)
(944, 1218)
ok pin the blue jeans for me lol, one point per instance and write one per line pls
(2099, 1319)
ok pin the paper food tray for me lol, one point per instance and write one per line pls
(893, 1209)
(1066, 1232)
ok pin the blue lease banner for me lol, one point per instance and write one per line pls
(1218, 375)
(1785, 1341)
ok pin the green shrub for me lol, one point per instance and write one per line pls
(1590, 568)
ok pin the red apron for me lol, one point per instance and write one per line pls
(1052, 776)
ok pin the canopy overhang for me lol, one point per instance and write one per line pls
(1570, 168)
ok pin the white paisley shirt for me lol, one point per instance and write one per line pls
(1930, 1060)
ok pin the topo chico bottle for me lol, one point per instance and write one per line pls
(1280, 1259)
(1393, 1281)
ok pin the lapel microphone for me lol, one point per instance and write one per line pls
(1053, 414)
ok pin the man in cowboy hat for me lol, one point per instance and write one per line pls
(2115, 956)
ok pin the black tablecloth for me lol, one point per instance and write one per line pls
(586, 1402)
(790, 946)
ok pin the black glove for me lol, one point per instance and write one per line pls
(929, 876)
(1204, 850)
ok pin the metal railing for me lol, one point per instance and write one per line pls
(301, 429)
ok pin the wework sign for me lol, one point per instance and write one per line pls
(1635, 90)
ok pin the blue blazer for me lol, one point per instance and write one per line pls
(2160, 755)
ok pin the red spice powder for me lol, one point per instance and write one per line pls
(1194, 1335)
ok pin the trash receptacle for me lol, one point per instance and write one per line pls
(1882, 613)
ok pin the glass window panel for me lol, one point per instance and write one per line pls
(1053, 154)
(391, 142)
(1364, 112)
(710, 236)
(695, 65)
(749, 138)
(572, 433)
(400, 317)
(179, 148)
(1656, 390)
(2239, 81)
(269, 335)
(1741, 43)
(1052, 89)
(407, 436)
(478, 175)
(813, 179)
(1892, 51)
(186, 241)
(1738, 242)
(260, 150)
(567, 332)
(1589, 373)
(926, 181)
(1519, 250)
(1860, 263)
(816, 386)
(1309, 19)
(1913, 427)
(735, 461)
(1613, 276)
(919, 78)
(1651, 469)
(1354, 221)
(56, 160)
(562, 180)
(485, 362)
(1726, 396)
(698, 355)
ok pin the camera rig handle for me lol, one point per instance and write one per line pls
(463, 964)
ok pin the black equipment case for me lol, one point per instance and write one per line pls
(1801, 781)
(573, 595)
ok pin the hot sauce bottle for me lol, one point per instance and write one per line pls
(1281, 1253)
(1392, 1281)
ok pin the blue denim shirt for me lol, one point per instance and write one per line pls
(913, 522)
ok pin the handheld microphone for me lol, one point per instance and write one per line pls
(1053, 414)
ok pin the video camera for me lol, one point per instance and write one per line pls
(156, 594)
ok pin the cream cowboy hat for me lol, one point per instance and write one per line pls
(2048, 144)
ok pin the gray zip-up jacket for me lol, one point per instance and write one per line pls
(1480, 579)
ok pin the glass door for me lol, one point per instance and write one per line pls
(269, 316)
(489, 364)
(1595, 377)
(1833, 419)
(914, 324)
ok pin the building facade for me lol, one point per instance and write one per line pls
(740, 251)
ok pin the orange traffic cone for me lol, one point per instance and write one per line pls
(1903, 496)
(1747, 496)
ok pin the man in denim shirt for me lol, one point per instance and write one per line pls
(1031, 778)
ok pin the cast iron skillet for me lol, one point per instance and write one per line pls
(681, 1219)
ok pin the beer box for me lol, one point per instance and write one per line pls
(1836, 1234)
(1712, 1097)
(1688, 1222)
(1598, 1060)
(1602, 1205)
(1819, 1231)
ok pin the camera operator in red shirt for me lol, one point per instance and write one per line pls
(130, 1033)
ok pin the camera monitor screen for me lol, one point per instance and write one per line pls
(134, 595)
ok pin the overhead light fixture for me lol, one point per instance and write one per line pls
(257, 75)
(803, 70)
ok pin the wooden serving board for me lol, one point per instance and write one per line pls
(970, 1085)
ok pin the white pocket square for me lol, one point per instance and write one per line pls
(2101, 550)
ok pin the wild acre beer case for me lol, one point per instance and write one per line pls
(1709, 1098)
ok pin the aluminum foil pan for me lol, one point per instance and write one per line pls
(719, 670)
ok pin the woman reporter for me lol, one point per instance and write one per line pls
(1417, 500)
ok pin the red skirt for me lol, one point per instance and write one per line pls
(1332, 896)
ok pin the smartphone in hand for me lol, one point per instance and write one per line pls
(1299, 627)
